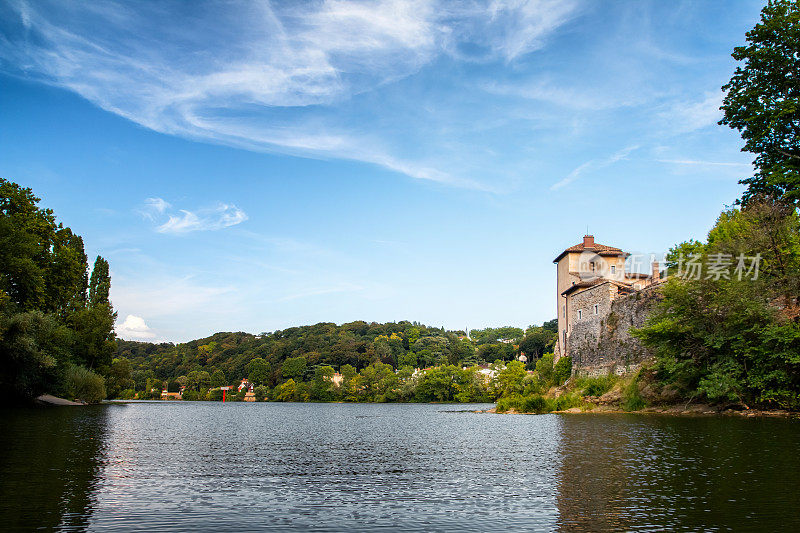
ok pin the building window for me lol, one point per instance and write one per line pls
(580, 314)
(596, 309)
(592, 265)
(613, 269)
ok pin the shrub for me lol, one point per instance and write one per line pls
(632, 399)
(507, 403)
(260, 393)
(191, 396)
(567, 401)
(562, 370)
(127, 394)
(544, 367)
(596, 386)
(83, 384)
(534, 404)
(215, 395)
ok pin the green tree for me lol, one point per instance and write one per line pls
(544, 368)
(94, 325)
(763, 101)
(509, 380)
(218, 378)
(119, 377)
(259, 371)
(260, 393)
(537, 340)
(26, 240)
(562, 370)
(294, 367)
(33, 354)
(323, 388)
(735, 337)
(287, 391)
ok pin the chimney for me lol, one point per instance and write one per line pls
(656, 271)
(588, 241)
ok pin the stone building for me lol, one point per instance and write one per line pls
(592, 285)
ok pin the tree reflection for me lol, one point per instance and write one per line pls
(50, 463)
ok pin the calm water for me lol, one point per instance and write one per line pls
(208, 466)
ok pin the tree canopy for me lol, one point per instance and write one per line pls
(763, 101)
(52, 318)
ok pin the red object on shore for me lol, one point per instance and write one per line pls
(223, 395)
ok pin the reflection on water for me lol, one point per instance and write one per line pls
(50, 464)
(208, 466)
(644, 472)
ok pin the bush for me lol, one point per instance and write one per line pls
(567, 401)
(562, 370)
(260, 393)
(215, 395)
(534, 404)
(127, 394)
(596, 386)
(83, 384)
(544, 367)
(191, 396)
(507, 403)
(632, 399)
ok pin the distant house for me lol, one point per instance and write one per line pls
(245, 385)
(166, 395)
(337, 379)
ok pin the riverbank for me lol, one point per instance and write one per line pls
(635, 392)
(674, 410)
(49, 399)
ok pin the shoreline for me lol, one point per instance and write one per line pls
(50, 400)
(677, 410)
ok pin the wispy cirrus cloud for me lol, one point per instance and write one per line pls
(592, 165)
(230, 72)
(185, 221)
(700, 163)
(695, 114)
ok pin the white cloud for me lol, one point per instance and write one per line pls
(135, 328)
(593, 164)
(216, 218)
(205, 219)
(154, 207)
(689, 116)
(225, 74)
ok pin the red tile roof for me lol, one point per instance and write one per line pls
(599, 249)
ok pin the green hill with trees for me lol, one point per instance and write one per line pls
(376, 361)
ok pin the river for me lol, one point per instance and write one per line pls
(144, 466)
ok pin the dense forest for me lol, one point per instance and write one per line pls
(56, 322)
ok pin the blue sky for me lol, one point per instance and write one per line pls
(250, 166)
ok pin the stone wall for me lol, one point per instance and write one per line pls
(602, 344)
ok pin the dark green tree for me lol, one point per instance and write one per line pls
(763, 101)
(259, 371)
